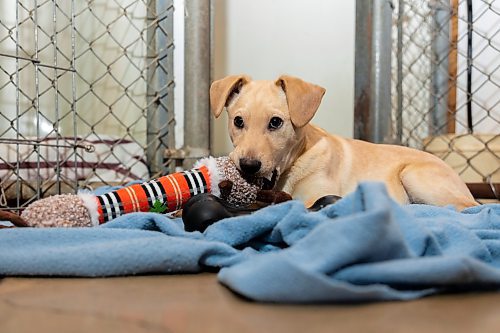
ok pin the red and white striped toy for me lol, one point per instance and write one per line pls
(168, 193)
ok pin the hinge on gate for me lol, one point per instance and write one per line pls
(186, 153)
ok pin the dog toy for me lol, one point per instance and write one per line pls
(165, 194)
(205, 209)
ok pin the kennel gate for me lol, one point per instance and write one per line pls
(86, 93)
(428, 77)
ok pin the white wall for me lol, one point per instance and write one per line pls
(311, 39)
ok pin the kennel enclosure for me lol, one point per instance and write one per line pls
(87, 93)
(428, 77)
(88, 88)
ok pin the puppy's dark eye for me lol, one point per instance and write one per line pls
(275, 123)
(238, 122)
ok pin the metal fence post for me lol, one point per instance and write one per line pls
(440, 67)
(399, 74)
(160, 93)
(197, 77)
(372, 113)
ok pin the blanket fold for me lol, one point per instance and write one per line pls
(365, 247)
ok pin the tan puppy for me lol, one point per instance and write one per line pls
(270, 130)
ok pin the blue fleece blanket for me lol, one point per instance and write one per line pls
(363, 248)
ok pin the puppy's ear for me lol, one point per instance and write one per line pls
(303, 98)
(223, 90)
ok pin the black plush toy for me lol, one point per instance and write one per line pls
(205, 209)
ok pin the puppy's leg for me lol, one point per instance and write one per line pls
(436, 184)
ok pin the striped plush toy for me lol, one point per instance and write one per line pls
(165, 194)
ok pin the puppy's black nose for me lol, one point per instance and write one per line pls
(250, 166)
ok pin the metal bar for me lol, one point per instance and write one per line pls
(440, 67)
(470, 32)
(57, 67)
(37, 103)
(151, 96)
(166, 82)
(452, 68)
(37, 62)
(362, 67)
(18, 106)
(381, 71)
(197, 72)
(372, 112)
(19, 57)
(160, 94)
(88, 148)
(400, 78)
(56, 96)
(73, 88)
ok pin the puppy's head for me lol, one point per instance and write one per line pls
(265, 118)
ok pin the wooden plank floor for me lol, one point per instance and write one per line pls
(198, 303)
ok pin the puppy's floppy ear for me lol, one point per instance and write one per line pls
(222, 90)
(303, 98)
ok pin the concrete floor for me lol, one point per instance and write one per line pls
(198, 303)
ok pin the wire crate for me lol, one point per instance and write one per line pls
(428, 77)
(86, 95)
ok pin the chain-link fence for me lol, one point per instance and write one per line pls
(86, 94)
(446, 84)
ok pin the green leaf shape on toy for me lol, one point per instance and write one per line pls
(158, 207)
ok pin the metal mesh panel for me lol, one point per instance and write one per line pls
(446, 82)
(86, 94)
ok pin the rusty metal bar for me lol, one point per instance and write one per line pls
(372, 113)
(197, 77)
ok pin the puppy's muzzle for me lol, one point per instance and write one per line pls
(250, 166)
